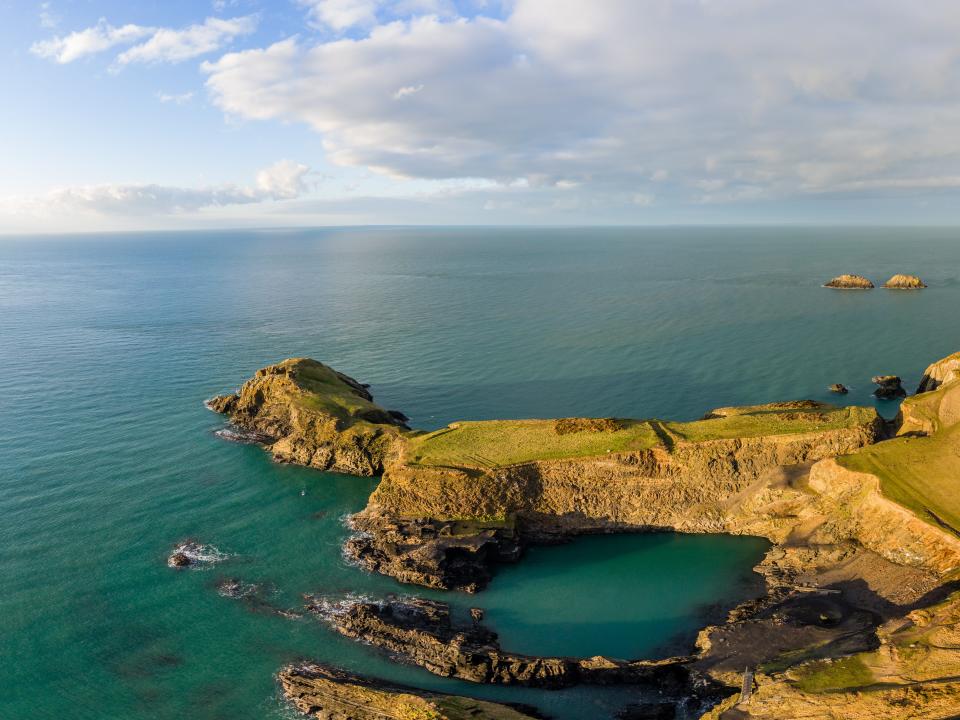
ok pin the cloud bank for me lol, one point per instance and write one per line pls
(698, 101)
(284, 180)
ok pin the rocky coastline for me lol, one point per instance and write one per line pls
(859, 581)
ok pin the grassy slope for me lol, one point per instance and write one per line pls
(325, 392)
(496, 443)
(921, 473)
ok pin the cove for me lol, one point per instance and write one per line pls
(625, 596)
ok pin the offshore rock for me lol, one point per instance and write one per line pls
(309, 414)
(327, 693)
(839, 388)
(889, 387)
(849, 282)
(422, 632)
(904, 282)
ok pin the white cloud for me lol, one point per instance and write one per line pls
(713, 101)
(284, 180)
(180, 99)
(342, 14)
(167, 45)
(407, 90)
(48, 18)
(161, 45)
(96, 39)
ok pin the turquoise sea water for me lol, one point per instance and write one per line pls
(108, 345)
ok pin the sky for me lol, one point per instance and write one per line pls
(165, 114)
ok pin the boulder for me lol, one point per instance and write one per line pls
(839, 388)
(849, 282)
(888, 387)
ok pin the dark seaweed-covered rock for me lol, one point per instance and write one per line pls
(423, 632)
(888, 387)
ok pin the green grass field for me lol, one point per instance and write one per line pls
(921, 473)
(497, 443)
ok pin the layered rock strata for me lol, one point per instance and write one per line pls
(327, 693)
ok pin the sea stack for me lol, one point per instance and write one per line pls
(850, 282)
(889, 387)
(904, 282)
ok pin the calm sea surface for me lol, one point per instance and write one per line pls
(109, 345)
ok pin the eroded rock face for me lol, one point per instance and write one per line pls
(888, 387)
(423, 632)
(940, 372)
(904, 282)
(309, 414)
(849, 282)
(328, 693)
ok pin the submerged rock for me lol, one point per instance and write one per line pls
(839, 388)
(422, 632)
(904, 282)
(191, 553)
(849, 282)
(888, 387)
(322, 691)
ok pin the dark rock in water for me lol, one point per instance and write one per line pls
(889, 387)
(441, 554)
(191, 553)
(839, 388)
(398, 416)
(319, 515)
(253, 595)
(328, 693)
(476, 614)
(179, 560)
(422, 632)
(649, 711)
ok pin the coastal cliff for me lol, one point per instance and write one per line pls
(862, 582)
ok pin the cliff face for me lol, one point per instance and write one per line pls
(307, 413)
(940, 372)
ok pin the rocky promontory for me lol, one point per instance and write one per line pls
(904, 282)
(306, 413)
(849, 282)
(328, 693)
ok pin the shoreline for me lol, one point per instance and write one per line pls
(766, 471)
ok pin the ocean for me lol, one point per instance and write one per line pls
(109, 345)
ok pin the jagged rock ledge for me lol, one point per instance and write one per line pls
(423, 633)
(328, 693)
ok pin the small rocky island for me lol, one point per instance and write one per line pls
(849, 282)
(859, 614)
(904, 282)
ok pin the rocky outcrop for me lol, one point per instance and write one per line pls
(888, 387)
(849, 282)
(309, 414)
(327, 693)
(423, 633)
(839, 388)
(904, 282)
(940, 372)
